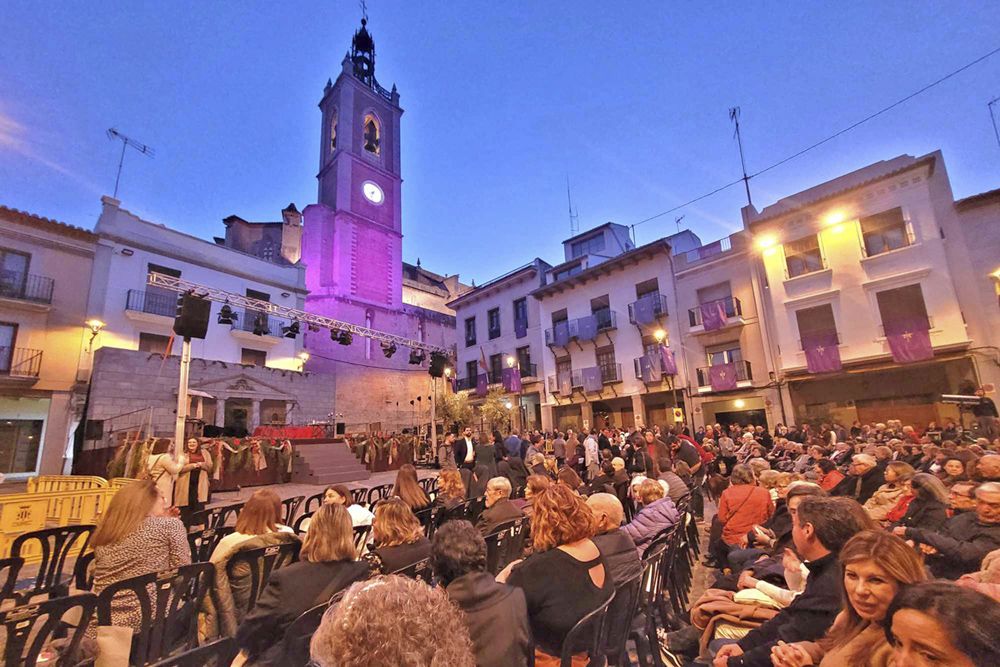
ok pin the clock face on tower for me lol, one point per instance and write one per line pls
(372, 192)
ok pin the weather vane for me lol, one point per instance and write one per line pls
(364, 10)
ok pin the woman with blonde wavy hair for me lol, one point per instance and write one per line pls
(876, 566)
(398, 537)
(565, 578)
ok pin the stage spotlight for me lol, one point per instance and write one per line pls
(226, 315)
(290, 331)
(312, 327)
(417, 357)
(388, 349)
(260, 325)
(438, 362)
(346, 338)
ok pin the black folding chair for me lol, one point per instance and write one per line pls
(361, 534)
(168, 602)
(377, 493)
(428, 519)
(260, 563)
(55, 544)
(421, 570)
(289, 507)
(472, 508)
(505, 544)
(219, 653)
(645, 637)
(313, 502)
(590, 634)
(215, 517)
(301, 526)
(620, 616)
(299, 633)
(9, 569)
(83, 572)
(30, 628)
(204, 541)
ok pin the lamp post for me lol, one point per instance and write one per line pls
(95, 326)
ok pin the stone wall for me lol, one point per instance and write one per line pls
(129, 380)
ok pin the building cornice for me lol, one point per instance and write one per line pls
(642, 253)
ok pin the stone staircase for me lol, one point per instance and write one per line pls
(326, 462)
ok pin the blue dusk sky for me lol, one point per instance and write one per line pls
(503, 101)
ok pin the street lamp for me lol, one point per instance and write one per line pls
(303, 358)
(95, 328)
(511, 361)
(660, 335)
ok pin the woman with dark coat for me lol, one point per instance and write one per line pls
(486, 454)
(397, 537)
(929, 507)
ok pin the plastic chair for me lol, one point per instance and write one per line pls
(261, 563)
(421, 570)
(168, 602)
(219, 653)
(377, 493)
(505, 544)
(290, 507)
(620, 616)
(9, 569)
(28, 629)
(590, 634)
(56, 544)
(83, 572)
(300, 526)
(645, 636)
(315, 499)
(203, 542)
(428, 519)
(361, 534)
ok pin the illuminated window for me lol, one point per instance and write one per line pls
(372, 135)
(885, 231)
(803, 256)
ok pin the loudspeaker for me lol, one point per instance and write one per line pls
(192, 317)
(438, 362)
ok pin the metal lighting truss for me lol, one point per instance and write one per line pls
(238, 300)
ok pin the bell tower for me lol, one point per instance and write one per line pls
(354, 232)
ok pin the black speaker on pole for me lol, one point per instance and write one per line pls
(438, 362)
(192, 317)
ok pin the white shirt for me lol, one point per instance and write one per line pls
(591, 455)
(470, 451)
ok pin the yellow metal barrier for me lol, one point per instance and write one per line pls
(25, 512)
(47, 483)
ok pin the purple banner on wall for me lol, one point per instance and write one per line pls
(482, 383)
(592, 379)
(722, 377)
(667, 361)
(565, 381)
(909, 340)
(645, 310)
(511, 379)
(560, 333)
(520, 328)
(822, 353)
(587, 327)
(649, 368)
(713, 315)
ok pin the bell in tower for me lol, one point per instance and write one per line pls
(363, 55)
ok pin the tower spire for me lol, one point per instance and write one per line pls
(363, 51)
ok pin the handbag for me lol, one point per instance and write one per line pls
(114, 645)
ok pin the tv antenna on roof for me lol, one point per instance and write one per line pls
(574, 216)
(993, 118)
(677, 221)
(126, 141)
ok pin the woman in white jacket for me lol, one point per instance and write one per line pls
(163, 469)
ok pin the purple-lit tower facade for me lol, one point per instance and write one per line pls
(352, 249)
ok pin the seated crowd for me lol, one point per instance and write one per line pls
(874, 545)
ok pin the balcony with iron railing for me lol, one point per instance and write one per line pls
(528, 370)
(20, 363)
(733, 308)
(582, 328)
(26, 287)
(744, 373)
(611, 373)
(657, 362)
(152, 303)
(649, 307)
(465, 383)
(254, 321)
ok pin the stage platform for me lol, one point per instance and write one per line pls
(325, 461)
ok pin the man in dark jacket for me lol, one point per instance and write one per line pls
(617, 548)
(496, 614)
(499, 509)
(465, 450)
(863, 481)
(820, 528)
(959, 547)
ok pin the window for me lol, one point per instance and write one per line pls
(559, 316)
(253, 357)
(521, 310)
(13, 272)
(470, 331)
(731, 353)
(600, 308)
(493, 322)
(496, 367)
(816, 320)
(267, 250)
(160, 301)
(566, 273)
(524, 360)
(19, 443)
(372, 136)
(904, 305)
(471, 371)
(564, 365)
(885, 231)
(606, 362)
(803, 256)
(589, 246)
(647, 288)
(154, 343)
(8, 336)
(256, 319)
(333, 131)
(650, 347)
